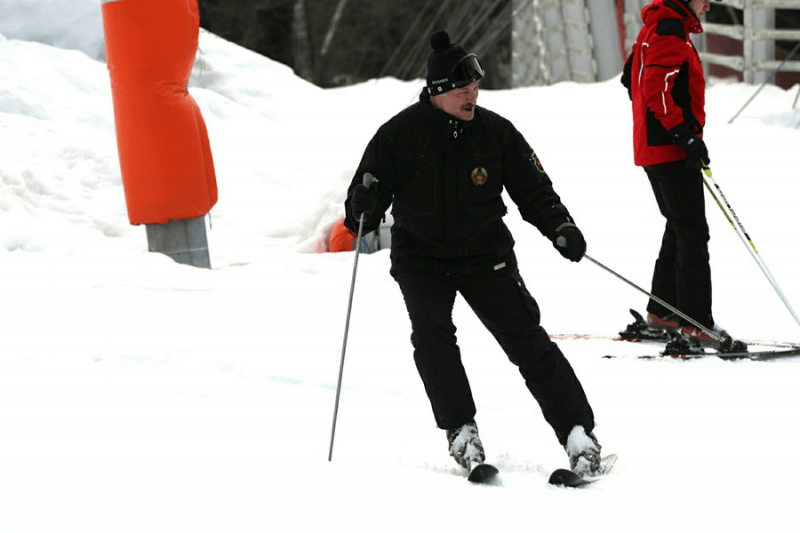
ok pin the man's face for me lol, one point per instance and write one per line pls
(700, 7)
(459, 103)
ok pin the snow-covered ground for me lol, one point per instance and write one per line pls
(139, 395)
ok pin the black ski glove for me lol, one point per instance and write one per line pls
(695, 148)
(570, 242)
(365, 200)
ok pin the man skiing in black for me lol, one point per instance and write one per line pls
(442, 164)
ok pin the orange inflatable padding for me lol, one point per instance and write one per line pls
(164, 153)
(341, 239)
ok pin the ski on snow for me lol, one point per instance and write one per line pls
(762, 355)
(482, 473)
(679, 347)
(568, 478)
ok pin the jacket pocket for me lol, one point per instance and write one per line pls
(656, 133)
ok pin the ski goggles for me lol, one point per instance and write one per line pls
(466, 71)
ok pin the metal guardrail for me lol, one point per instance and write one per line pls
(732, 62)
(749, 33)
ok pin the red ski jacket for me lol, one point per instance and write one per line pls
(665, 82)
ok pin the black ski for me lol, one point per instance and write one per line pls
(678, 346)
(758, 344)
(762, 355)
(568, 478)
(483, 473)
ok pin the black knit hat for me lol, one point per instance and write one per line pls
(442, 60)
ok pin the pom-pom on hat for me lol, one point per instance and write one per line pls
(443, 75)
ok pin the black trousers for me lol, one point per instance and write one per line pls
(509, 312)
(682, 275)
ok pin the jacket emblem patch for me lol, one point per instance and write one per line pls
(479, 176)
(537, 163)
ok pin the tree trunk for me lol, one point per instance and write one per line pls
(301, 46)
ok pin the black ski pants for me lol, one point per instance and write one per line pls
(509, 312)
(682, 275)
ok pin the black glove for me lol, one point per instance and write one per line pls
(364, 200)
(695, 148)
(570, 243)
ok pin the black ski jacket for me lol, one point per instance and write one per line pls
(444, 179)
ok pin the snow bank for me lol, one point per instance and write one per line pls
(73, 24)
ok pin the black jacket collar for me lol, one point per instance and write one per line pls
(444, 122)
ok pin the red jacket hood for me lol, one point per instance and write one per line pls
(659, 10)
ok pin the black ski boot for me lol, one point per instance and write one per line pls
(465, 445)
(584, 453)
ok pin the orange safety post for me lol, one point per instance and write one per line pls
(341, 238)
(164, 153)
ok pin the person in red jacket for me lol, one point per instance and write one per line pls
(666, 84)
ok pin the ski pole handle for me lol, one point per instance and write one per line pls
(368, 180)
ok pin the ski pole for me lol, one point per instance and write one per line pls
(774, 72)
(368, 179)
(749, 244)
(659, 300)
